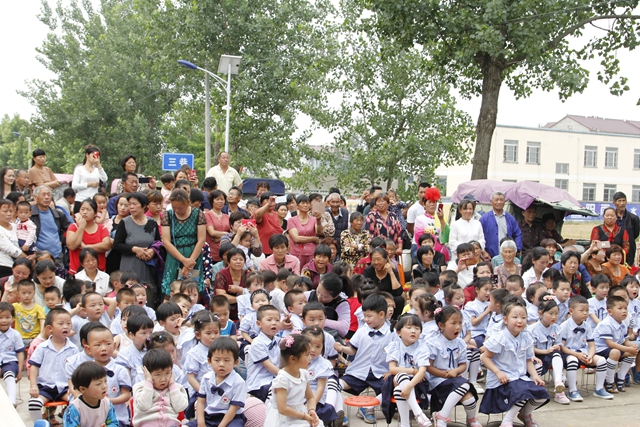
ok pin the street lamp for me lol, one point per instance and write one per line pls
(228, 65)
(28, 146)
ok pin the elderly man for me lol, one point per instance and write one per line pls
(51, 224)
(339, 215)
(225, 175)
(130, 185)
(531, 230)
(627, 221)
(498, 224)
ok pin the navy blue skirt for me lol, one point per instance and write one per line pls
(440, 393)
(326, 412)
(502, 398)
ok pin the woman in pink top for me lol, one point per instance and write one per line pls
(217, 223)
(303, 231)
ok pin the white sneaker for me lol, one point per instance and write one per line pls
(478, 388)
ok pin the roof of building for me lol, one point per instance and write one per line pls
(599, 124)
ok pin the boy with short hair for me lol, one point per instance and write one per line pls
(92, 408)
(170, 319)
(184, 302)
(52, 298)
(29, 315)
(461, 266)
(115, 283)
(263, 358)
(124, 298)
(47, 375)
(598, 304)
(313, 315)
(294, 300)
(141, 299)
(613, 344)
(369, 365)
(26, 229)
(221, 307)
(562, 291)
(84, 355)
(435, 288)
(274, 283)
(11, 351)
(515, 285)
(139, 327)
(168, 183)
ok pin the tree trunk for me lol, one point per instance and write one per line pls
(491, 82)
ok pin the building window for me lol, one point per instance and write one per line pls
(562, 184)
(609, 190)
(589, 192)
(636, 159)
(635, 194)
(510, 151)
(533, 153)
(611, 158)
(562, 168)
(590, 156)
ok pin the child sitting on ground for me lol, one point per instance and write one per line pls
(92, 408)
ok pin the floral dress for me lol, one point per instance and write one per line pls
(349, 237)
(390, 227)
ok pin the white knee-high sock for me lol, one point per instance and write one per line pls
(453, 399)
(334, 397)
(532, 405)
(556, 364)
(512, 412)
(626, 364)
(10, 384)
(35, 408)
(470, 406)
(611, 369)
(601, 373)
(474, 364)
(401, 380)
(572, 372)
(403, 407)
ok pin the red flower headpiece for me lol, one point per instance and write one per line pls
(432, 194)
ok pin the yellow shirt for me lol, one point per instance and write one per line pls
(28, 321)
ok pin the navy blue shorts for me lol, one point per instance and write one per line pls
(10, 367)
(604, 353)
(479, 339)
(54, 394)
(214, 420)
(262, 393)
(358, 386)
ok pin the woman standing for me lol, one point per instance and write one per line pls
(355, 243)
(230, 280)
(217, 222)
(534, 265)
(466, 228)
(303, 230)
(87, 176)
(39, 174)
(385, 278)
(86, 233)
(128, 164)
(508, 251)
(610, 231)
(616, 264)
(8, 177)
(9, 247)
(184, 232)
(134, 237)
(381, 222)
(426, 223)
(283, 212)
(154, 209)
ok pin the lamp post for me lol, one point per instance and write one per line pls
(228, 65)
(28, 146)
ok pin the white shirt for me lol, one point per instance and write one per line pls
(51, 363)
(370, 355)
(197, 363)
(475, 308)
(463, 231)
(510, 355)
(225, 180)
(234, 392)
(599, 308)
(414, 212)
(529, 277)
(9, 248)
(262, 349)
(10, 345)
(101, 281)
(82, 177)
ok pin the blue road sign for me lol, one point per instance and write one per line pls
(173, 161)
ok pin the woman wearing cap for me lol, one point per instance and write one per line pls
(426, 223)
(466, 228)
(129, 164)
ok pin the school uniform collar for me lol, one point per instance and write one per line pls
(614, 322)
(68, 344)
(228, 380)
(384, 329)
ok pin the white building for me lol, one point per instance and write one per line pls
(590, 157)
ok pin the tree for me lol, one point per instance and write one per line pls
(396, 120)
(477, 46)
(13, 143)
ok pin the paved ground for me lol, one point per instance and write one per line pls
(619, 412)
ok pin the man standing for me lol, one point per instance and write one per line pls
(531, 230)
(374, 192)
(627, 221)
(417, 208)
(339, 215)
(267, 220)
(499, 224)
(233, 198)
(130, 185)
(51, 224)
(225, 175)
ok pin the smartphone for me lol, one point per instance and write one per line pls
(248, 222)
(440, 207)
(281, 199)
(96, 154)
(143, 180)
(471, 261)
(192, 275)
(604, 245)
(192, 174)
(317, 207)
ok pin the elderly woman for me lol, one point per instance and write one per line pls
(87, 233)
(128, 164)
(508, 251)
(87, 176)
(354, 241)
(230, 280)
(610, 231)
(570, 262)
(594, 259)
(134, 237)
(616, 265)
(534, 265)
(39, 174)
(304, 230)
(381, 222)
(217, 222)
(466, 229)
(385, 277)
(183, 234)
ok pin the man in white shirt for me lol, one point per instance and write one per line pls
(225, 175)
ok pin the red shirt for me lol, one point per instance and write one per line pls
(88, 239)
(267, 227)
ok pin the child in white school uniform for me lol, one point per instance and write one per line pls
(631, 284)
(263, 357)
(447, 362)
(367, 345)
(12, 351)
(598, 303)
(547, 345)
(249, 328)
(322, 378)
(408, 359)
(508, 357)
(84, 355)
(562, 292)
(479, 311)
(294, 301)
(532, 298)
(139, 327)
(313, 315)
(579, 348)
(426, 307)
(496, 301)
(290, 388)
(47, 375)
(252, 283)
(196, 364)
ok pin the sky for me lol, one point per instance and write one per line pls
(22, 33)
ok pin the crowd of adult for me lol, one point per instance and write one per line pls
(212, 235)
